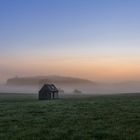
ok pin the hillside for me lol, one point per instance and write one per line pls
(39, 80)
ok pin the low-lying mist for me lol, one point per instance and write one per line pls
(83, 89)
(67, 85)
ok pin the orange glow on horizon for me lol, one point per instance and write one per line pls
(102, 69)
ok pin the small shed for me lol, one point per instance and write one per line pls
(48, 92)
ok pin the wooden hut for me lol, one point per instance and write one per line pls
(48, 92)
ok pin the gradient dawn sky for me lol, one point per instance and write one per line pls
(93, 39)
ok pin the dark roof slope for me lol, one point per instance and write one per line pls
(49, 87)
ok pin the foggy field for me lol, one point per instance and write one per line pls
(104, 117)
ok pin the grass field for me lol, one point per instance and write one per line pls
(110, 117)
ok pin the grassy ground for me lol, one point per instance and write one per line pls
(111, 117)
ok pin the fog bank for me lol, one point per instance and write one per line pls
(69, 89)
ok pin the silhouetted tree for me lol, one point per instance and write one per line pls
(76, 91)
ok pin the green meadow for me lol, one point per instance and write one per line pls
(104, 117)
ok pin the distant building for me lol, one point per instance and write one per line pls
(48, 92)
(61, 91)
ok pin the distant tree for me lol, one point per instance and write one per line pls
(77, 92)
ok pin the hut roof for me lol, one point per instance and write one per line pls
(49, 87)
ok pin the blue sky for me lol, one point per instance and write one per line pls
(54, 23)
(68, 29)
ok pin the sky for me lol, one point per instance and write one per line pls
(93, 39)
